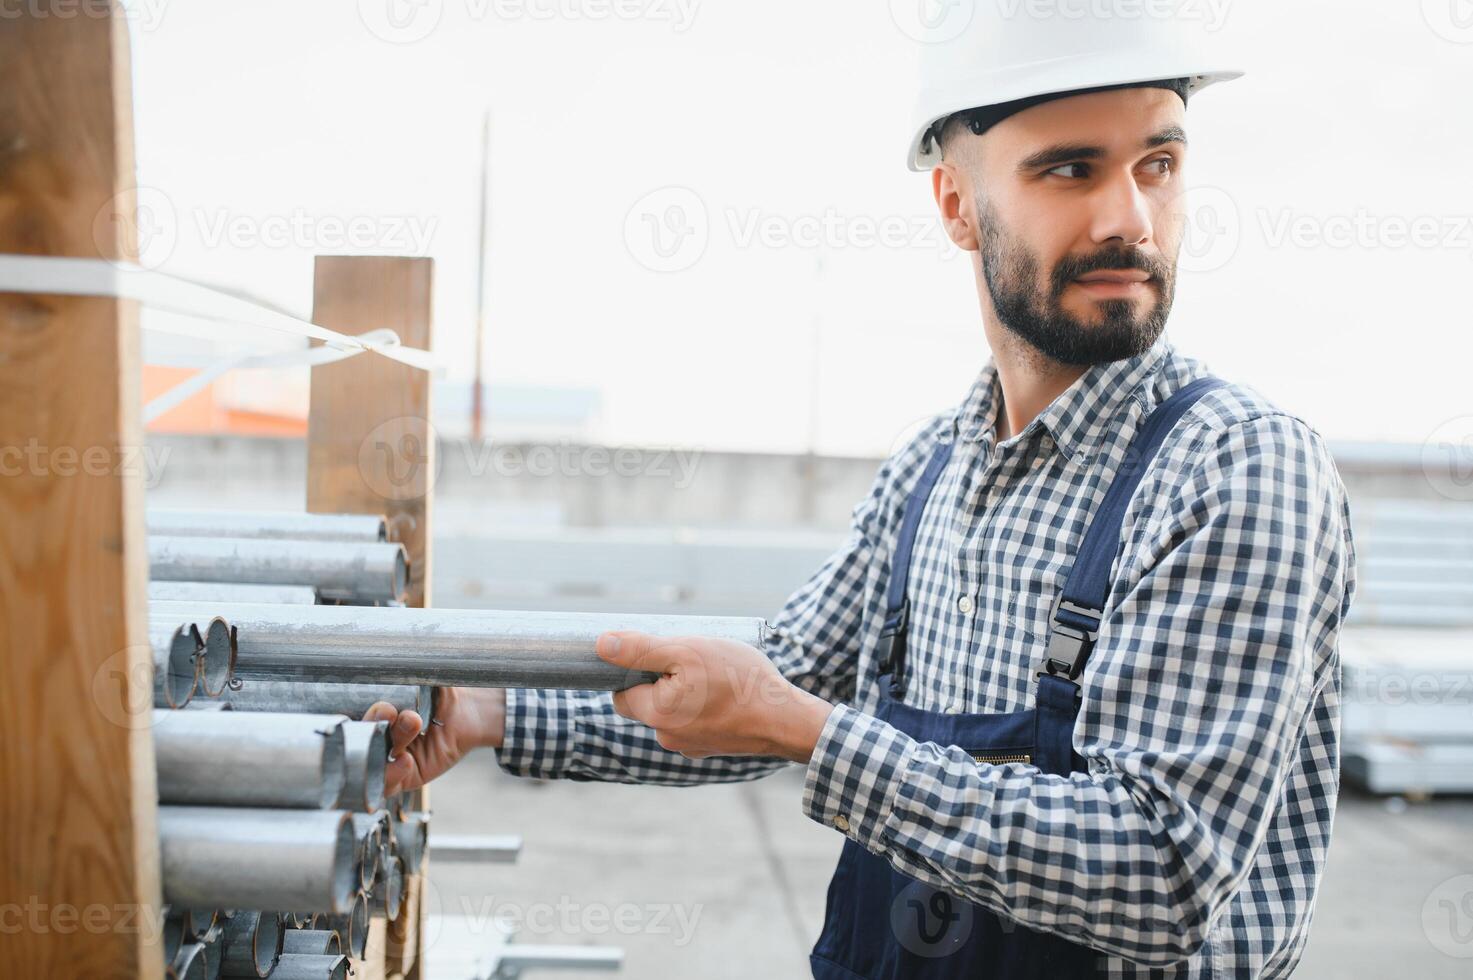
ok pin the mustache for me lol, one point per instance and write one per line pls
(1071, 267)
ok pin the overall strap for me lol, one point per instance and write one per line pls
(1081, 603)
(891, 654)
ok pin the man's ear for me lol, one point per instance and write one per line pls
(957, 204)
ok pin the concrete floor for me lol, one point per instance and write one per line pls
(728, 881)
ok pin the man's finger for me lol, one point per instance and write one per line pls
(637, 702)
(637, 651)
(381, 711)
(401, 774)
(403, 731)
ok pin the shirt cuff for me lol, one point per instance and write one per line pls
(854, 776)
(539, 734)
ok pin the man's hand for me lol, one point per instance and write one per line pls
(466, 718)
(716, 697)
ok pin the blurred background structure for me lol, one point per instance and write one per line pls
(705, 299)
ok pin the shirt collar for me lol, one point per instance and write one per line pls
(1080, 415)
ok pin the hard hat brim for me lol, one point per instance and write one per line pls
(1020, 82)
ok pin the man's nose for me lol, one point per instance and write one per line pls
(1121, 213)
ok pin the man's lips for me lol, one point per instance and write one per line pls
(1115, 275)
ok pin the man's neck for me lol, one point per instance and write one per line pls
(1029, 381)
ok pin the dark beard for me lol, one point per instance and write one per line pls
(1011, 271)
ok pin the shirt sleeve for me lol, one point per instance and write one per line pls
(814, 641)
(1217, 644)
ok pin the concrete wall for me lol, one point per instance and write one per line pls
(564, 484)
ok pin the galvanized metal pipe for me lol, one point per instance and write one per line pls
(370, 571)
(352, 927)
(366, 744)
(176, 522)
(252, 944)
(478, 848)
(477, 648)
(217, 659)
(388, 889)
(299, 595)
(291, 860)
(172, 935)
(301, 966)
(251, 759)
(411, 837)
(175, 662)
(199, 921)
(369, 830)
(314, 941)
(190, 963)
(263, 692)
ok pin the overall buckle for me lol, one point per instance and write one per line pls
(1071, 641)
(892, 641)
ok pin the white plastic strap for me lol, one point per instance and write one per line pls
(160, 291)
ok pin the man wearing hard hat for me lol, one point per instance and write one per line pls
(1070, 689)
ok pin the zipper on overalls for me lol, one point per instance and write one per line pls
(1001, 758)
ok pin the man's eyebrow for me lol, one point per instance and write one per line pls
(1062, 153)
(1171, 134)
(1053, 156)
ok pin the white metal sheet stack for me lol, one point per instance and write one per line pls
(1407, 719)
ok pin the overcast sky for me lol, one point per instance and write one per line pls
(700, 207)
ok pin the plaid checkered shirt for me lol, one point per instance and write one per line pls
(1194, 843)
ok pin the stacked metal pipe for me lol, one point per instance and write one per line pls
(265, 870)
(272, 805)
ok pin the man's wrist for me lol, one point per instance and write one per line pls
(491, 732)
(800, 725)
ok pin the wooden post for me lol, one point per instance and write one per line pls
(79, 873)
(370, 450)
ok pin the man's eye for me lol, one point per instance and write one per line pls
(1078, 170)
(1163, 166)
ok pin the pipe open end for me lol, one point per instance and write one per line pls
(334, 770)
(393, 886)
(266, 947)
(217, 662)
(344, 868)
(358, 927)
(401, 573)
(377, 759)
(176, 672)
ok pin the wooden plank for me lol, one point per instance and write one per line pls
(369, 444)
(370, 450)
(78, 808)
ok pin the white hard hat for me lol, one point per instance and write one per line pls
(1016, 49)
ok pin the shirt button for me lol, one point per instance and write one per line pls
(841, 823)
(965, 605)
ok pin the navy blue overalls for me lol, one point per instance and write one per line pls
(881, 923)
